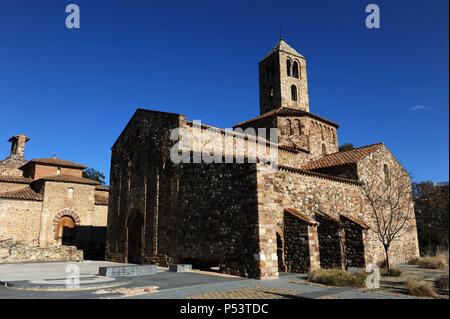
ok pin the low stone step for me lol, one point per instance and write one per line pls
(127, 270)
(180, 267)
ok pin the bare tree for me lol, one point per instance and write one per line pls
(390, 202)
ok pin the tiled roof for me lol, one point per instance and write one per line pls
(101, 200)
(287, 111)
(343, 158)
(15, 179)
(69, 179)
(300, 215)
(102, 187)
(283, 46)
(57, 162)
(357, 221)
(22, 194)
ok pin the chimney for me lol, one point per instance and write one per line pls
(18, 146)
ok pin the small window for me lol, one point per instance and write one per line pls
(288, 67)
(58, 171)
(268, 73)
(387, 179)
(324, 150)
(70, 193)
(295, 69)
(294, 93)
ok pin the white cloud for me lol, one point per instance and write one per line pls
(417, 108)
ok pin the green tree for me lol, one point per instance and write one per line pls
(95, 175)
(346, 147)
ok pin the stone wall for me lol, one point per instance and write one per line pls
(7, 187)
(20, 220)
(16, 252)
(331, 242)
(56, 200)
(296, 244)
(217, 217)
(371, 168)
(354, 244)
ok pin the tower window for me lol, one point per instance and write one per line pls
(387, 179)
(288, 67)
(268, 75)
(295, 70)
(294, 93)
(324, 150)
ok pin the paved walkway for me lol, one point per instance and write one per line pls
(163, 285)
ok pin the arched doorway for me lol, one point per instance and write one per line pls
(135, 231)
(66, 232)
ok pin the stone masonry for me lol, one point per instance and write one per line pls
(242, 214)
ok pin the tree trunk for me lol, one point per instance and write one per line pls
(386, 250)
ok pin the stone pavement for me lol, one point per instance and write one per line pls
(164, 285)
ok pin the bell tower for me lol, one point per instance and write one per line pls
(282, 79)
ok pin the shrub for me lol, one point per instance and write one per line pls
(435, 262)
(420, 288)
(442, 282)
(393, 272)
(338, 277)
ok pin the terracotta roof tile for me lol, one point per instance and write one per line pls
(69, 179)
(356, 221)
(342, 158)
(302, 216)
(15, 179)
(287, 111)
(57, 162)
(22, 194)
(101, 200)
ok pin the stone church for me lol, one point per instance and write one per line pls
(310, 212)
(48, 211)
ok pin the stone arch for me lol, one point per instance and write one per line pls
(66, 212)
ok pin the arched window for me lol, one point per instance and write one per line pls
(268, 73)
(294, 92)
(295, 70)
(324, 149)
(298, 128)
(321, 132)
(70, 193)
(288, 67)
(387, 179)
(288, 128)
(58, 171)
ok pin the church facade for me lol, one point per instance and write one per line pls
(243, 216)
(48, 211)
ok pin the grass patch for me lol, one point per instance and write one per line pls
(430, 262)
(338, 277)
(420, 288)
(442, 282)
(393, 272)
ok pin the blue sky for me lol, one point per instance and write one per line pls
(73, 91)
